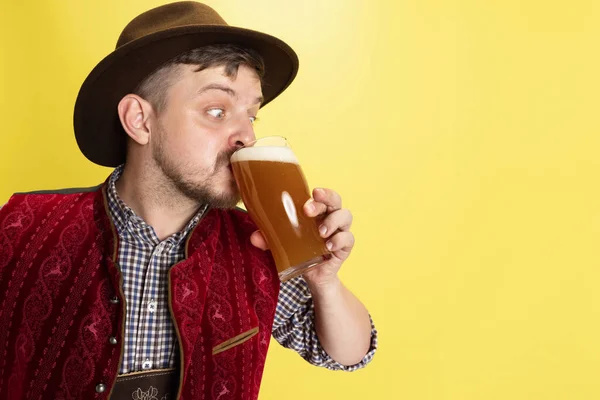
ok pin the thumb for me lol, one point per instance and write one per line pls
(258, 240)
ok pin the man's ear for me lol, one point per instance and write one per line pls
(134, 113)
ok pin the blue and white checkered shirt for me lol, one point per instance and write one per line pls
(150, 340)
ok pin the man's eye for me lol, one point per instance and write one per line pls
(217, 112)
(253, 120)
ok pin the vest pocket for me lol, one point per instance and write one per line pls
(234, 341)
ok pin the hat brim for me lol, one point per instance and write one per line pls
(98, 130)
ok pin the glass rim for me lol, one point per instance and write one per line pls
(265, 138)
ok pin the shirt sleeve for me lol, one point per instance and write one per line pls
(294, 327)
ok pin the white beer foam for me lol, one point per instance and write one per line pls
(267, 153)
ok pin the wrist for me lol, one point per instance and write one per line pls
(324, 288)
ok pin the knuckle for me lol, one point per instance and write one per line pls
(349, 239)
(337, 198)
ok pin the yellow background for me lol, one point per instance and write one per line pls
(462, 134)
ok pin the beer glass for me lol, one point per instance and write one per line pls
(274, 191)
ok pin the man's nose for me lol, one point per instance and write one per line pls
(243, 133)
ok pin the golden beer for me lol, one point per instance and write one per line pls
(274, 191)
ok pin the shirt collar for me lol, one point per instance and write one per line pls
(128, 222)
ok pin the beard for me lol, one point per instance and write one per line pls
(205, 190)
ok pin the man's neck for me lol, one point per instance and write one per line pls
(156, 201)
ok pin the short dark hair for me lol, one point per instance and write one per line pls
(154, 87)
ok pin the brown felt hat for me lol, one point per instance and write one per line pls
(147, 42)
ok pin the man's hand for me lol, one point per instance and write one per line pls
(334, 227)
(342, 322)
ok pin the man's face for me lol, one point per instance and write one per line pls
(207, 116)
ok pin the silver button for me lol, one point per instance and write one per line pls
(100, 388)
(147, 364)
(152, 306)
(114, 300)
(112, 340)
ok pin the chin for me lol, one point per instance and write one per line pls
(228, 197)
(224, 202)
(221, 191)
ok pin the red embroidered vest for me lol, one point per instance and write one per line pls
(59, 315)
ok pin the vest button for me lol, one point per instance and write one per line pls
(112, 340)
(114, 300)
(100, 388)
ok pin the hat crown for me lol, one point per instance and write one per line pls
(169, 16)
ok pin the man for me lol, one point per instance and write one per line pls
(152, 285)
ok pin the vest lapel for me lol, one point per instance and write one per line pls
(188, 284)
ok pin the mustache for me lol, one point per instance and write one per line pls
(223, 158)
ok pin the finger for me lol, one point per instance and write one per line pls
(338, 220)
(313, 208)
(258, 240)
(329, 197)
(341, 244)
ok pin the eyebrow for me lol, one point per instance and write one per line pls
(226, 89)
